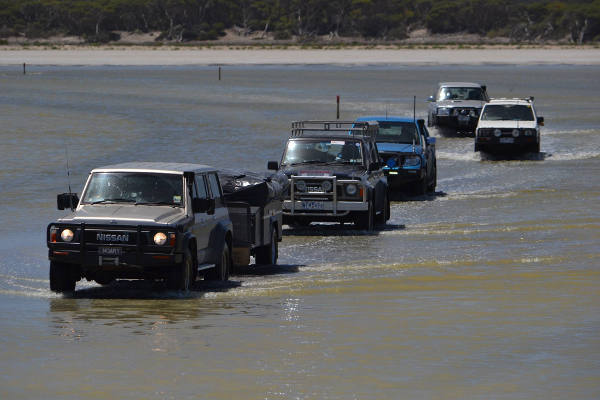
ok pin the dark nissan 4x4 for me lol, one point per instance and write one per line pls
(142, 221)
(335, 174)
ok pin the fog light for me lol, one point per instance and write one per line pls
(66, 235)
(160, 238)
(497, 132)
(528, 132)
(351, 189)
(515, 133)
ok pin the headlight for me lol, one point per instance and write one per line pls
(412, 161)
(351, 189)
(515, 133)
(301, 186)
(160, 238)
(528, 132)
(67, 235)
(497, 132)
(443, 111)
(326, 185)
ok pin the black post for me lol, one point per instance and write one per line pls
(219, 72)
(338, 107)
(24, 70)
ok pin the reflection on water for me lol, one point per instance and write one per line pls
(486, 289)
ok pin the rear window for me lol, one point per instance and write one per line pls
(507, 112)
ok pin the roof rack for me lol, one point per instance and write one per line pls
(367, 129)
(527, 99)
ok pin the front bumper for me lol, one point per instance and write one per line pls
(399, 176)
(505, 142)
(459, 122)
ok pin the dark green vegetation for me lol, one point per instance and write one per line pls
(303, 20)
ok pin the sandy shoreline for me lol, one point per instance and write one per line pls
(128, 56)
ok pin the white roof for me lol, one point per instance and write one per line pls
(160, 167)
(511, 101)
(460, 84)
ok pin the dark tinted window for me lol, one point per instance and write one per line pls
(200, 189)
(507, 112)
(215, 188)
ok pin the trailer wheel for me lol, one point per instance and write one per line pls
(268, 255)
(61, 278)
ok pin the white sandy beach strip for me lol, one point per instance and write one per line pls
(223, 56)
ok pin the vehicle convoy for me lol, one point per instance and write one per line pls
(509, 125)
(408, 153)
(334, 174)
(154, 220)
(456, 106)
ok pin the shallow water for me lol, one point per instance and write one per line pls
(488, 289)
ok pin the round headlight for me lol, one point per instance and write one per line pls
(515, 133)
(351, 189)
(301, 186)
(497, 132)
(160, 238)
(326, 185)
(67, 235)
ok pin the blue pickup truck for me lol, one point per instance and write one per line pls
(408, 153)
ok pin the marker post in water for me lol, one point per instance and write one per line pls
(219, 72)
(24, 69)
(337, 99)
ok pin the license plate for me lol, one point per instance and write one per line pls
(313, 205)
(507, 140)
(110, 251)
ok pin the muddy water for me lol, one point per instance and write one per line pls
(488, 289)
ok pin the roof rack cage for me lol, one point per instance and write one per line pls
(367, 129)
(529, 99)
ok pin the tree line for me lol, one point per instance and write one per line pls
(302, 20)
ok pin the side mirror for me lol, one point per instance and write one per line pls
(67, 200)
(431, 98)
(203, 206)
(273, 165)
(540, 120)
(430, 140)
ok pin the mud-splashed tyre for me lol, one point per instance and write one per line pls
(267, 255)
(180, 277)
(433, 184)
(222, 268)
(61, 278)
(366, 219)
(385, 212)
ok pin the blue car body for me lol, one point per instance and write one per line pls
(407, 165)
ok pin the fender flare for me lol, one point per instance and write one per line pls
(221, 233)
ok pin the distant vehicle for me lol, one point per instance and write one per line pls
(509, 125)
(152, 220)
(334, 173)
(456, 106)
(408, 153)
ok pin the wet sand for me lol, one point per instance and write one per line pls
(348, 56)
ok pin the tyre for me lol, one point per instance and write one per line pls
(385, 212)
(477, 148)
(180, 277)
(366, 219)
(267, 255)
(221, 270)
(61, 277)
(433, 183)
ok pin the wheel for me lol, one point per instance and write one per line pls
(267, 255)
(433, 183)
(180, 276)
(61, 277)
(366, 219)
(221, 270)
(535, 148)
(385, 212)
(477, 148)
(421, 187)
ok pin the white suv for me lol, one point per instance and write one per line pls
(508, 125)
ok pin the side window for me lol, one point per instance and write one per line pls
(215, 188)
(200, 187)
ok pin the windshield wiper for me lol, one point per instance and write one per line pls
(106, 201)
(155, 203)
(310, 162)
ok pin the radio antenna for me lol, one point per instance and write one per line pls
(68, 176)
(386, 111)
(414, 108)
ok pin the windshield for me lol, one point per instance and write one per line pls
(323, 151)
(134, 187)
(507, 112)
(397, 132)
(460, 93)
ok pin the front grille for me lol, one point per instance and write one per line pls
(110, 237)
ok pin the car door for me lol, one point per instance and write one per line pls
(428, 148)
(221, 214)
(202, 221)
